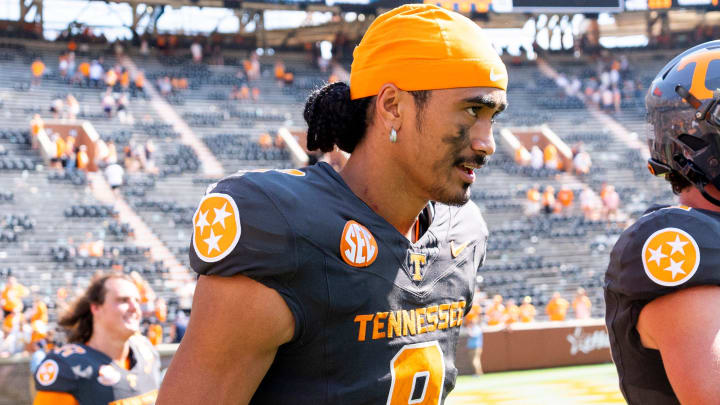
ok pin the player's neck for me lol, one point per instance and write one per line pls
(385, 194)
(115, 348)
(692, 197)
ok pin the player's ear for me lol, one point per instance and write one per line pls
(388, 106)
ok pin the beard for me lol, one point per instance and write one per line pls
(442, 193)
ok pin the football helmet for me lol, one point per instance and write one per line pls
(683, 110)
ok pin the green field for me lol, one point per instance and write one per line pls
(596, 384)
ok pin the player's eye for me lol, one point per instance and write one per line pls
(473, 111)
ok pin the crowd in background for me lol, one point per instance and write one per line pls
(26, 326)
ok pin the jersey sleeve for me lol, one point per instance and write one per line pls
(263, 247)
(237, 229)
(55, 374)
(667, 250)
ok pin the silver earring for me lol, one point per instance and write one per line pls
(393, 135)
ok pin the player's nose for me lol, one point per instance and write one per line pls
(482, 139)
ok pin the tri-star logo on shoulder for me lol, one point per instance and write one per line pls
(670, 257)
(216, 227)
(358, 247)
(47, 373)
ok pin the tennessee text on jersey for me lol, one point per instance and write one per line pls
(362, 295)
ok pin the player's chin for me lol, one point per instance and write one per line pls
(455, 197)
(131, 326)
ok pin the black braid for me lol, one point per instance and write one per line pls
(334, 119)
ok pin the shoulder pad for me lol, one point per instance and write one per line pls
(668, 249)
(238, 229)
(55, 374)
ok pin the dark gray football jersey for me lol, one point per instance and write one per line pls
(93, 378)
(667, 249)
(377, 318)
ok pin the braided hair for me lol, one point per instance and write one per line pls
(333, 118)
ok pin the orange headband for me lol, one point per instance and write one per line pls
(424, 47)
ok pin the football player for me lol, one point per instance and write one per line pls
(107, 361)
(350, 287)
(662, 284)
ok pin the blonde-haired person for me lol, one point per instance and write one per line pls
(107, 360)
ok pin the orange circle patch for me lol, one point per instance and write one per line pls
(47, 373)
(670, 257)
(216, 227)
(358, 247)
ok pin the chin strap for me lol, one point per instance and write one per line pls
(696, 176)
(707, 195)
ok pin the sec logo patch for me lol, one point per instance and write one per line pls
(216, 227)
(670, 257)
(47, 372)
(358, 247)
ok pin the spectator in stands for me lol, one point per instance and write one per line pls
(548, 199)
(155, 333)
(196, 51)
(581, 161)
(37, 125)
(149, 153)
(165, 86)
(114, 174)
(532, 205)
(496, 311)
(124, 80)
(82, 159)
(147, 295)
(607, 98)
(160, 310)
(255, 93)
(527, 310)
(512, 312)
(96, 73)
(72, 107)
(111, 78)
(12, 295)
(279, 71)
(83, 73)
(589, 202)
(557, 307)
(244, 92)
(37, 68)
(473, 323)
(13, 341)
(56, 107)
(565, 197)
(56, 161)
(121, 106)
(112, 156)
(178, 327)
(581, 304)
(63, 66)
(536, 157)
(265, 141)
(551, 158)
(611, 201)
(108, 103)
(139, 84)
(522, 156)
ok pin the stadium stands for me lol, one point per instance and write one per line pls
(48, 213)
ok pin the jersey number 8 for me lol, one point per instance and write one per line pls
(418, 375)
